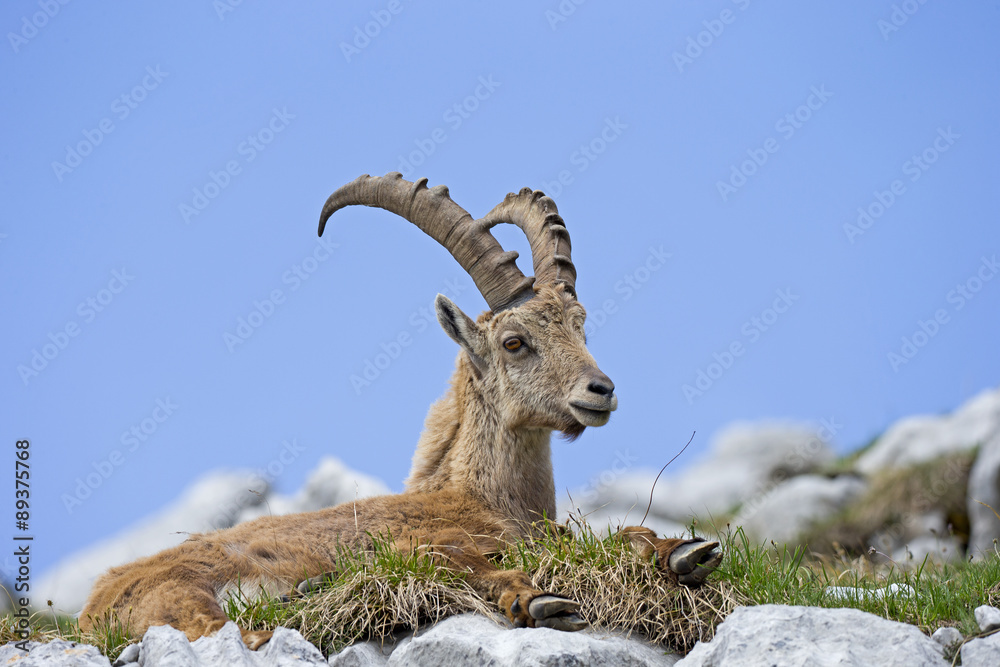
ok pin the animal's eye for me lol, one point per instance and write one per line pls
(513, 343)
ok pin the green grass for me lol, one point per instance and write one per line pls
(945, 594)
(377, 594)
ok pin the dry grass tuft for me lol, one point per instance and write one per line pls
(619, 591)
(376, 596)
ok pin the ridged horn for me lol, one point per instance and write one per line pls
(432, 210)
(539, 219)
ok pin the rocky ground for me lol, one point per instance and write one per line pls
(752, 636)
(938, 477)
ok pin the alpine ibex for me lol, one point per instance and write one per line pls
(482, 472)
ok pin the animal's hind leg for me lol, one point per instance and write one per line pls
(194, 610)
(173, 596)
(522, 604)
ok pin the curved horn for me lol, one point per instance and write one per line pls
(432, 210)
(539, 219)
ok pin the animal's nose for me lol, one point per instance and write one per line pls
(601, 384)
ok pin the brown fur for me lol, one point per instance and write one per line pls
(482, 474)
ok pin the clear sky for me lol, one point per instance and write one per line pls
(778, 211)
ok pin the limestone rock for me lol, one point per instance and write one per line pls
(225, 647)
(924, 438)
(933, 548)
(988, 618)
(288, 648)
(947, 636)
(984, 489)
(128, 656)
(854, 593)
(470, 639)
(331, 483)
(163, 646)
(58, 653)
(981, 652)
(606, 520)
(783, 635)
(793, 506)
(744, 461)
(365, 654)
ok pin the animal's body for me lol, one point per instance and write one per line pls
(482, 471)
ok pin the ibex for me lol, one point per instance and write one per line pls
(482, 471)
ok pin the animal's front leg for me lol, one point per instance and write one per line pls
(524, 605)
(688, 561)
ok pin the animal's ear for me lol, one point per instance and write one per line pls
(462, 329)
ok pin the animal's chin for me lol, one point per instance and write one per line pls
(589, 416)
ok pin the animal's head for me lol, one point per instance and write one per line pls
(528, 354)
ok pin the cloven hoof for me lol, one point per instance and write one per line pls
(694, 561)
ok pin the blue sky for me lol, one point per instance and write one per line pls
(788, 207)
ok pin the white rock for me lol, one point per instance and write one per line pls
(9, 652)
(288, 648)
(212, 502)
(364, 654)
(852, 593)
(162, 646)
(128, 656)
(947, 637)
(919, 439)
(58, 653)
(794, 506)
(475, 640)
(921, 533)
(988, 618)
(225, 647)
(782, 635)
(330, 484)
(931, 548)
(607, 520)
(984, 489)
(745, 460)
(982, 652)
